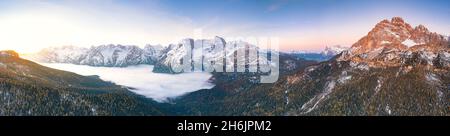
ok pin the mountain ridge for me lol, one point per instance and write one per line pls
(363, 80)
(29, 89)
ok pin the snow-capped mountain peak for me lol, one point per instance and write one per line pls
(111, 55)
(393, 42)
(205, 49)
(396, 34)
(333, 50)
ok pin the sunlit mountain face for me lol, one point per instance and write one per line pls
(77, 58)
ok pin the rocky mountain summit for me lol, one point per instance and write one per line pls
(393, 70)
(395, 42)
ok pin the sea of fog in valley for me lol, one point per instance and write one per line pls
(152, 85)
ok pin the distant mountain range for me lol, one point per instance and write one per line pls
(395, 69)
(328, 53)
(128, 55)
(103, 55)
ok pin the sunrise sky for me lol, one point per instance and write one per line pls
(29, 25)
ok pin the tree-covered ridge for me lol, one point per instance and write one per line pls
(27, 88)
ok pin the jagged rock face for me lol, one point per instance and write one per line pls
(104, 55)
(204, 49)
(153, 52)
(397, 34)
(385, 34)
(391, 43)
(114, 56)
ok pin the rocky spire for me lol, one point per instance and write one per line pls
(388, 39)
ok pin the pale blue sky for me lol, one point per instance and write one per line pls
(300, 24)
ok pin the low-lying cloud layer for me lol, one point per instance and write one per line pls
(143, 80)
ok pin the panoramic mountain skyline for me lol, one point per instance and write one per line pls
(234, 67)
(396, 69)
(300, 25)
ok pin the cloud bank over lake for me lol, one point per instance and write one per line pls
(152, 85)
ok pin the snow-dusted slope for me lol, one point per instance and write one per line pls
(333, 50)
(103, 55)
(204, 50)
(63, 54)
